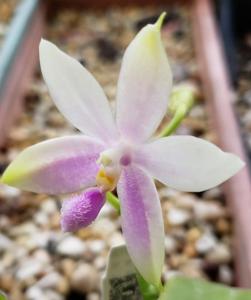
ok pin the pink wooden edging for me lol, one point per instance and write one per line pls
(217, 90)
(20, 74)
(219, 95)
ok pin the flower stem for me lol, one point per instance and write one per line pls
(148, 291)
(174, 123)
(113, 200)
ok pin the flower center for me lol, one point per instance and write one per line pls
(111, 162)
(125, 160)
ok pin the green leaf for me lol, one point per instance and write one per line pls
(180, 288)
(2, 296)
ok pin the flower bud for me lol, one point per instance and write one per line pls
(182, 98)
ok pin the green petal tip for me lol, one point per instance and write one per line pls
(3, 179)
(160, 20)
(8, 178)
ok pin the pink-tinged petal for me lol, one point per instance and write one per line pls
(142, 222)
(144, 85)
(57, 166)
(187, 163)
(81, 210)
(76, 93)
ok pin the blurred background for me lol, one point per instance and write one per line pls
(37, 260)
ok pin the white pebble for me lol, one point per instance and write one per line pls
(42, 256)
(208, 210)
(170, 244)
(177, 216)
(99, 263)
(9, 192)
(23, 229)
(205, 243)
(52, 295)
(168, 193)
(85, 279)
(186, 201)
(171, 274)
(220, 254)
(49, 206)
(34, 293)
(103, 227)
(93, 296)
(71, 246)
(41, 239)
(106, 211)
(116, 239)
(5, 243)
(29, 269)
(225, 275)
(198, 111)
(41, 218)
(96, 246)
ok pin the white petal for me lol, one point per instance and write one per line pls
(187, 163)
(76, 93)
(144, 85)
(142, 222)
(56, 166)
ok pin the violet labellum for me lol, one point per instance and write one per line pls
(119, 152)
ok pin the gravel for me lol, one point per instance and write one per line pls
(37, 260)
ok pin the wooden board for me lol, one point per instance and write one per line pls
(20, 72)
(219, 95)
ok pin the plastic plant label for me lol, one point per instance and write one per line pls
(120, 282)
(181, 288)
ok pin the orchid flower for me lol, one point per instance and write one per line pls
(118, 152)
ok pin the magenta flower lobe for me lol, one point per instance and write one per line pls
(81, 210)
